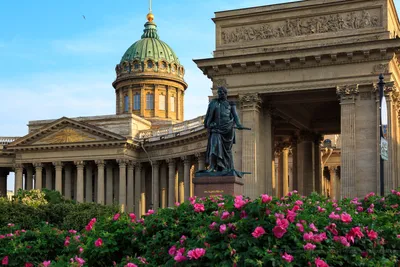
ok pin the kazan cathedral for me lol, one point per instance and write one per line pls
(303, 76)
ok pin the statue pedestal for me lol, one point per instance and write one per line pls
(206, 186)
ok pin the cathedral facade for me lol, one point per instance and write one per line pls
(304, 76)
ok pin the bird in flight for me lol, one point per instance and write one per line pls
(84, 17)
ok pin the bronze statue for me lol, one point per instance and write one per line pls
(221, 120)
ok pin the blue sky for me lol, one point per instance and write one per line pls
(55, 63)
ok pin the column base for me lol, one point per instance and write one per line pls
(206, 186)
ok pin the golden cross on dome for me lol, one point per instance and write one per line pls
(149, 6)
(150, 16)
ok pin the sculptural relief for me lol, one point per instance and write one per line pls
(304, 26)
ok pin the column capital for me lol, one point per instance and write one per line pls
(170, 162)
(347, 92)
(156, 163)
(80, 163)
(390, 90)
(37, 164)
(122, 162)
(332, 168)
(100, 162)
(58, 164)
(18, 166)
(199, 155)
(251, 100)
(186, 159)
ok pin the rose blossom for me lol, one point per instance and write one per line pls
(300, 227)
(4, 261)
(278, 231)
(198, 207)
(346, 218)
(132, 216)
(72, 232)
(372, 234)
(320, 263)
(222, 228)
(46, 263)
(98, 242)
(312, 226)
(259, 231)
(172, 250)
(28, 264)
(309, 246)
(225, 215)
(212, 225)
(196, 253)
(130, 265)
(80, 261)
(116, 216)
(239, 202)
(287, 257)
(265, 198)
(90, 224)
(334, 216)
(179, 257)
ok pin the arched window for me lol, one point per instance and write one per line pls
(150, 64)
(136, 102)
(149, 101)
(126, 103)
(161, 102)
(172, 103)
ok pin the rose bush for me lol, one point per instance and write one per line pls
(222, 231)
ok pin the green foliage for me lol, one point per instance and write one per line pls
(33, 198)
(199, 224)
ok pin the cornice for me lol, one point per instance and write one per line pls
(155, 78)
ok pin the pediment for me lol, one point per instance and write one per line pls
(66, 131)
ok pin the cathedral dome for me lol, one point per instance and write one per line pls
(150, 47)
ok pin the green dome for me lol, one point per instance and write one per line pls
(150, 47)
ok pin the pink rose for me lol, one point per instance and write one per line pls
(346, 218)
(46, 263)
(300, 227)
(278, 231)
(334, 216)
(4, 261)
(265, 198)
(222, 228)
(130, 265)
(298, 202)
(259, 231)
(282, 223)
(66, 242)
(287, 257)
(212, 225)
(312, 226)
(308, 236)
(80, 261)
(320, 263)
(342, 240)
(116, 216)
(28, 264)
(291, 215)
(172, 250)
(196, 253)
(309, 246)
(239, 202)
(149, 212)
(225, 215)
(198, 207)
(72, 232)
(179, 258)
(372, 235)
(98, 242)
(332, 228)
(132, 216)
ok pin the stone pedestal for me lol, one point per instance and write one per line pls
(206, 186)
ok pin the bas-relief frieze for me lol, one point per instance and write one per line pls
(67, 135)
(303, 26)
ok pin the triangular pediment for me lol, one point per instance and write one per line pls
(65, 131)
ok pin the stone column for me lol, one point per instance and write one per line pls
(80, 165)
(318, 164)
(29, 177)
(332, 174)
(164, 185)
(186, 176)
(171, 182)
(389, 165)
(58, 166)
(181, 184)
(285, 171)
(3, 182)
(38, 175)
(294, 165)
(348, 134)
(19, 170)
(269, 152)
(100, 181)
(130, 99)
(279, 177)
(68, 181)
(201, 161)
(305, 174)
(122, 183)
(138, 187)
(143, 192)
(49, 177)
(130, 199)
(273, 178)
(89, 183)
(250, 106)
(156, 184)
(109, 183)
(116, 183)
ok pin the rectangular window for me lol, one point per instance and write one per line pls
(126, 103)
(136, 102)
(172, 103)
(161, 102)
(149, 101)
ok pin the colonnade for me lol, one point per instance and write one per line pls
(129, 183)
